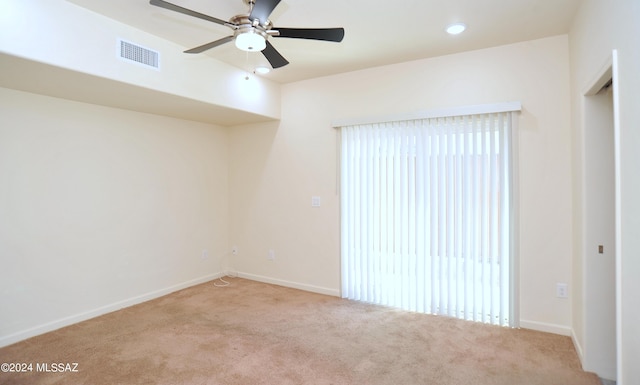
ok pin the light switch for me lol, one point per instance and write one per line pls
(315, 201)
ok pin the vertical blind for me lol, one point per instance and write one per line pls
(425, 215)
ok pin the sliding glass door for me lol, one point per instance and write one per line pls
(426, 215)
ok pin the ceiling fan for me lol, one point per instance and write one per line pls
(252, 30)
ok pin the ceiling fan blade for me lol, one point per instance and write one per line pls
(207, 46)
(176, 8)
(262, 9)
(275, 59)
(326, 34)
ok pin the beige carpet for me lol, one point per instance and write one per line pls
(255, 333)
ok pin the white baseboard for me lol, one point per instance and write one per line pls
(606, 376)
(291, 284)
(578, 347)
(60, 323)
(546, 327)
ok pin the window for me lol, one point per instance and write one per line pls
(426, 218)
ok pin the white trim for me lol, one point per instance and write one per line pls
(578, 347)
(60, 323)
(291, 284)
(435, 113)
(515, 218)
(546, 327)
(600, 79)
(618, 214)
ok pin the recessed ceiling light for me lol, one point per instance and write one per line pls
(456, 28)
(262, 70)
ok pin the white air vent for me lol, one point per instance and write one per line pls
(138, 54)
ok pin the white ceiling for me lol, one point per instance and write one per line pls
(377, 32)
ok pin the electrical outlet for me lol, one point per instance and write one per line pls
(205, 254)
(562, 290)
(234, 250)
(271, 255)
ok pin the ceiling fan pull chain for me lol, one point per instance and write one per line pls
(246, 65)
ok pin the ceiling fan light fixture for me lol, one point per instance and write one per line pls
(250, 41)
(456, 28)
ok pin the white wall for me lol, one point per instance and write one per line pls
(276, 168)
(102, 208)
(599, 28)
